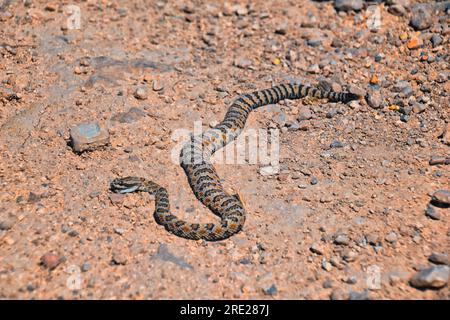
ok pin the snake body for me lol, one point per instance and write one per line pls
(203, 179)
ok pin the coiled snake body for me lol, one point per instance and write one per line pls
(202, 177)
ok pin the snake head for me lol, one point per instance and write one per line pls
(125, 185)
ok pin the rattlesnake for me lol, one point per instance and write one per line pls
(203, 179)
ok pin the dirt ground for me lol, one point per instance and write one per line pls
(348, 214)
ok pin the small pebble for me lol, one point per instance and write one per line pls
(119, 258)
(86, 267)
(342, 239)
(141, 93)
(391, 237)
(326, 265)
(50, 260)
(119, 231)
(243, 63)
(349, 255)
(271, 291)
(316, 248)
(157, 85)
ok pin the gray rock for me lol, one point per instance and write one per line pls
(439, 258)
(326, 265)
(141, 93)
(436, 40)
(432, 213)
(435, 277)
(397, 10)
(441, 197)
(342, 239)
(372, 239)
(73, 233)
(391, 237)
(119, 231)
(401, 86)
(316, 248)
(315, 42)
(271, 291)
(293, 125)
(421, 18)
(336, 144)
(86, 267)
(339, 294)
(374, 100)
(243, 63)
(359, 295)
(88, 136)
(348, 5)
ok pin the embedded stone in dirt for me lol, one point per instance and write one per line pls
(141, 93)
(165, 255)
(132, 115)
(88, 136)
(50, 260)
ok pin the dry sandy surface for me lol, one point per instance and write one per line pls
(348, 214)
